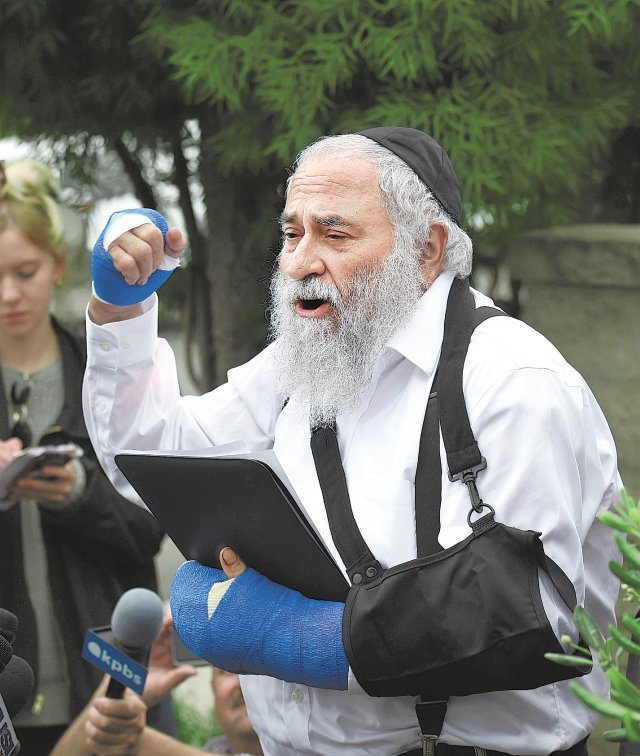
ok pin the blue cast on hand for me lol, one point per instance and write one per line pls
(108, 283)
(260, 627)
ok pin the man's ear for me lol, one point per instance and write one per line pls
(432, 258)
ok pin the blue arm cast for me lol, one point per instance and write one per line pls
(108, 283)
(259, 627)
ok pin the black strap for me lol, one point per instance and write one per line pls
(428, 490)
(360, 563)
(449, 413)
(459, 442)
(431, 716)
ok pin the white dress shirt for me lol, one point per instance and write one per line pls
(551, 468)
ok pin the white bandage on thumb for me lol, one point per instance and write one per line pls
(215, 595)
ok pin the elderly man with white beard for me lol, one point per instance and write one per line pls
(369, 291)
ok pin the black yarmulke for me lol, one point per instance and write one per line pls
(427, 158)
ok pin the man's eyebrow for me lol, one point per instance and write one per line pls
(330, 220)
(321, 220)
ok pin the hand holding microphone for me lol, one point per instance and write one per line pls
(114, 725)
(115, 719)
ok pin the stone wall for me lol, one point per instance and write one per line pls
(581, 289)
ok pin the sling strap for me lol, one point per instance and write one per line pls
(358, 560)
(428, 488)
(446, 413)
(462, 450)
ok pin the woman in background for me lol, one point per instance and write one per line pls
(69, 544)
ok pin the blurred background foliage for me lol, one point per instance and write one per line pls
(205, 103)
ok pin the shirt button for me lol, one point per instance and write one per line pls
(298, 695)
(125, 343)
(105, 346)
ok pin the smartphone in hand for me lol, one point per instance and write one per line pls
(29, 461)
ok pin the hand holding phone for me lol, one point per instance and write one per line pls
(30, 462)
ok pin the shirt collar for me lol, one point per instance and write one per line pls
(421, 338)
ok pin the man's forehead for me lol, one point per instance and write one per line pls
(331, 186)
(334, 175)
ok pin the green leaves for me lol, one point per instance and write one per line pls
(626, 517)
(623, 690)
(629, 551)
(523, 93)
(569, 661)
(588, 630)
(624, 701)
(601, 705)
(496, 82)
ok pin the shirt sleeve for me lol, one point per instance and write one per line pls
(551, 467)
(132, 400)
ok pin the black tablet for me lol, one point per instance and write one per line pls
(206, 503)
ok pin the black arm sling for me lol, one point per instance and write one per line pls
(453, 622)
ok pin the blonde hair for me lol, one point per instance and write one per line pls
(29, 203)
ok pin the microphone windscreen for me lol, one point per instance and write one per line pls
(8, 624)
(6, 652)
(137, 618)
(16, 684)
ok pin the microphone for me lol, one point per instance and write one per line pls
(8, 625)
(16, 683)
(6, 652)
(122, 650)
(136, 622)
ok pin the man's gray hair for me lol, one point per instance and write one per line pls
(410, 204)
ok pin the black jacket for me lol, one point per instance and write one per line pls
(96, 549)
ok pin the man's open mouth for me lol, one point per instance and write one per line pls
(311, 304)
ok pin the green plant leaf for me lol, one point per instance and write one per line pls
(616, 522)
(630, 725)
(569, 661)
(601, 705)
(629, 551)
(616, 736)
(630, 577)
(588, 629)
(628, 501)
(626, 643)
(632, 624)
(623, 685)
(623, 699)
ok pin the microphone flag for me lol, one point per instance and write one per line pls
(9, 745)
(101, 651)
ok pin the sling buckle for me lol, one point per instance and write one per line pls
(468, 477)
(429, 744)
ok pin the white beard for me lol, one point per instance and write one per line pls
(324, 364)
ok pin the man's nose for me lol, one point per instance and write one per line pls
(303, 261)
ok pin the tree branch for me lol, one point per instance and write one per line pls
(199, 309)
(143, 191)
